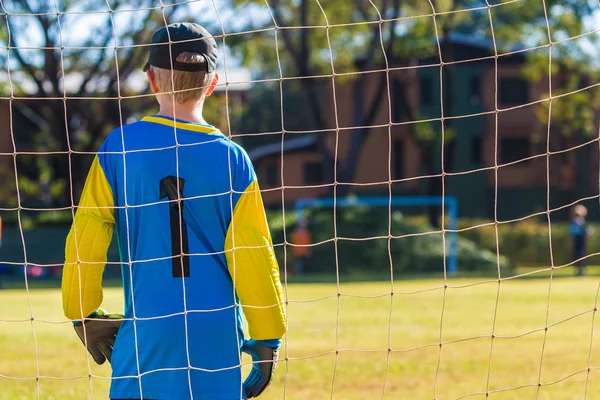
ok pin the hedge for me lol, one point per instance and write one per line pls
(362, 244)
(527, 242)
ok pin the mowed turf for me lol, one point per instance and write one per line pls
(363, 344)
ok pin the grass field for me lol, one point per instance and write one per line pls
(369, 323)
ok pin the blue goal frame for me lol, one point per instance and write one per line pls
(450, 202)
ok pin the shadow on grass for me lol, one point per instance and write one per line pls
(530, 272)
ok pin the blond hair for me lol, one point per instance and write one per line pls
(187, 86)
(579, 211)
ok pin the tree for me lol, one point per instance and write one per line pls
(357, 35)
(77, 78)
(261, 113)
(310, 52)
(564, 30)
(369, 36)
(507, 25)
(570, 109)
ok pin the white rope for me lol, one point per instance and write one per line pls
(334, 77)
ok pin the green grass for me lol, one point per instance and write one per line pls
(369, 322)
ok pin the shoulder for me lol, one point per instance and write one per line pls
(237, 151)
(110, 153)
(239, 156)
(116, 138)
(240, 165)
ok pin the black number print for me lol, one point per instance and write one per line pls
(179, 238)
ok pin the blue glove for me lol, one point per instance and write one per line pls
(264, 355)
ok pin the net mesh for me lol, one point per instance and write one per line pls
(438, 337)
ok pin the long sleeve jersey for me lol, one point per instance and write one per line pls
(194, 245)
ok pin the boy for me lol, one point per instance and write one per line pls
(302, 251)
(579, 233)
(194, 244)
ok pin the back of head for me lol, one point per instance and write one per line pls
(579, 211)
(183, 59)
(184, 86)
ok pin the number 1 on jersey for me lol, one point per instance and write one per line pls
(179, 238)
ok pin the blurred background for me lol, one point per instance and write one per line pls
(420, 162)
(395, 98)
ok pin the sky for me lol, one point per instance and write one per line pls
(84, 19)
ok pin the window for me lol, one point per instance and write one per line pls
(398, 100)
(426, 95)
(272, 174)
(449, 152)
(513, 90)
(474, 91)
(398, 159)
(313, 173)
(476, 150)
(514, 149)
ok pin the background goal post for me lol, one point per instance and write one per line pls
(448, 202)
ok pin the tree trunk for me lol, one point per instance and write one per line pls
(435, 183)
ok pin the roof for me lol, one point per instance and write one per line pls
(288, 145)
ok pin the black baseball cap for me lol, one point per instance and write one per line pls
(184, 37)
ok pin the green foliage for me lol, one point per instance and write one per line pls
(527, 242)
(301, 38)
(88, 68)
(425, 132)
(263, 114)
(40, 182)
(363, 245)
(363, 241)
(258, 50)
(572, 110)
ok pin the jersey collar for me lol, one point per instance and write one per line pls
(184, 125)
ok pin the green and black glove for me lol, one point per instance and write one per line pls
(264, 355)
(100, 331)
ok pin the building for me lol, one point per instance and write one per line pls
(5, 138)
(7, 176)
(390, 158)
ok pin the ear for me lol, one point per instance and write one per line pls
(152, 80)
(213, 84)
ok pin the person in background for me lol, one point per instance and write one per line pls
(579, 232)
(301, 239)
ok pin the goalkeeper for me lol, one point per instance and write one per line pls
(182, 197)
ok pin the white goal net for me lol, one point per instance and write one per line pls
(430, 171)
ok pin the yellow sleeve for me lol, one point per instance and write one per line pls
(87, 245)
(253, 267)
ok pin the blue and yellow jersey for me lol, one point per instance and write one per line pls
(579, 232)
(194, 243)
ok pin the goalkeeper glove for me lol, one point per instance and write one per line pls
(101, 331)
(264, 358)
